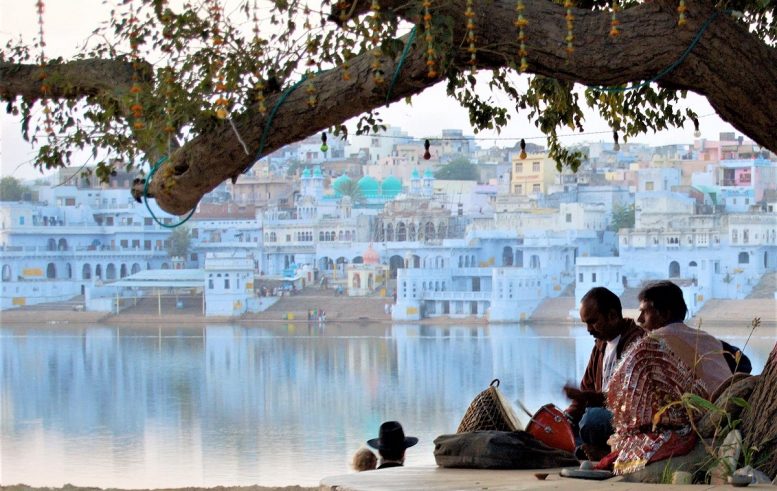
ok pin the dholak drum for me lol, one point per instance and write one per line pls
(551, 427)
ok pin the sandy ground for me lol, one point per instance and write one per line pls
(360, 310)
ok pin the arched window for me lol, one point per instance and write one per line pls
(123, 271)
(507, 256)
(98, 271)
(110, 272)
(401, 232)
(135, 268)
(744, 258)
(692, 264)
(411, 232)
(69, 271)
(340, 235)
(321, 236)
(461, 261)
(442, 230)
(51, 271)
(62, 245)
(51, 245)
(674, 269)
(6, 272)
(86, 272)
(389, 233)
(429, 231)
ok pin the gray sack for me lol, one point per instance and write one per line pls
(498, 450)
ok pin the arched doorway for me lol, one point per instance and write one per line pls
(86, 272)
(395, 263)
(98, 271)
(123, 271)
(110, 272)
(51, 271)
(135, 268)
(62, 246)
(674, 269)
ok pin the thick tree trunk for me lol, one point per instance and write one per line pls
(733, 68)
(759, 422)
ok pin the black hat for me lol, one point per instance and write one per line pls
(392, 437)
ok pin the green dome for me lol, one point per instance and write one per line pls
(368, 186)
(306, 173)
(391, 187)
(339, 183)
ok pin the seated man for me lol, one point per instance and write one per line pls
(391, 444)
(646, 390)
(600, 311)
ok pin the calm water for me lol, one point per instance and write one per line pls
(231, 405)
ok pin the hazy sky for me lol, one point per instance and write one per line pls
(69, 22)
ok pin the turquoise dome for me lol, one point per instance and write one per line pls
(339, 183)
(391, 187)
(306, 173)
(415, 174)
(317, 172)
(428, 174)
(368, 186)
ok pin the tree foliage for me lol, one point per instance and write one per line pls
(623, 216)
(351, 189)
(11, 189)
(460, 169)
(214, 85)
(180, 242)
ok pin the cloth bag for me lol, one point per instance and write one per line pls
(490, 410)
(498, 450)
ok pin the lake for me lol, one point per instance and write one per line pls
(287, 404)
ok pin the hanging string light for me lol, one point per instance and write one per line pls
(472, 50)
(427, 154)
(377, 73)
(222, 101)
(45, 88)
(523, 149)
(521, 22)
(681, 9)
(310, 88)
(614, 22)
(324, 146)
(696, 131)
(570, 18)
(259, 85)
(134, 38)
(431, 54)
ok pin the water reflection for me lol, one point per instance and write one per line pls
(235, 405)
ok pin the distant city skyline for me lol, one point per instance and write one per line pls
(69, 24)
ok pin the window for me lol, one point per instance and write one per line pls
(288, 237)
(649, 186)
(210, 284)
(21, 220)
(581, 278)
(519, 189)
(734, 236)
(593, 277)
(744, 258)
(124, 243)
(535, 188)
(569, 218)
(535, 167)
(226, 283)
(148, 221)
(519, 168)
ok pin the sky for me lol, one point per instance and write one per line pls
(67, 23)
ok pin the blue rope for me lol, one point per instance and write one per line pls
(267, 125)
(405, 51)
(145, 198)
(669, 68)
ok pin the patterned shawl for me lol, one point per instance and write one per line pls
(655, 372)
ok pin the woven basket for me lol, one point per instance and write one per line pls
(490, 411)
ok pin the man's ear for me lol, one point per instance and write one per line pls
(614, 316)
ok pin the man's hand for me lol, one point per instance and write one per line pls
(589, 398)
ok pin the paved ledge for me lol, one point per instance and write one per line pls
(432, 478)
